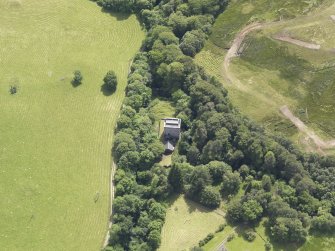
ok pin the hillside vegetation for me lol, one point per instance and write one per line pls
(55, 139)
(291, 75)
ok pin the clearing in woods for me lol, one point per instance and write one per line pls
(55, 139)
(297, 71)
(187, 223)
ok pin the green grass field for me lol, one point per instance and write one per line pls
(55, 139)
(186, 224)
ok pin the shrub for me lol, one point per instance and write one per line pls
(210, 197)
(250, 235)
(110, 81)
(206, 240)
(268, 246)
(77, 78)
(221, 228)
(230, 237)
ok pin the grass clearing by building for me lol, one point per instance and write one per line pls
(55, 147)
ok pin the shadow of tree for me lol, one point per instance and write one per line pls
(75, 84)
(107, 91)
(194, 206)
(118, 16)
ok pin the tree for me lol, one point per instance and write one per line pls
(154, 239)
(251, 210)
(176, 178)
(127, 205)
(266, 183)
(324, 223)
(193, 42)
(244, 171)
(199, 179)
(269, 161)
(210, 197)
(110, 81)
(13, 89)
(234, 211)
(288, 230)
(217, 170)
(193, 155)
(77, 78)
(230, 183)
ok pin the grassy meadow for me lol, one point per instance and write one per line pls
(274, 73)
(55, 139)
(186, 224)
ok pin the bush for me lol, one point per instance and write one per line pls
(110, 81)
(206, 240)
(230, 237)
(210, 197)
(221, 228)
(250, 235)
(268, 246)
(77, 78)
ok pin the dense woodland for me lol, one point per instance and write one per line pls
(220, 150)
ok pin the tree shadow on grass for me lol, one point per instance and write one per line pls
(75, 84)
(118, 16)
(194, 206)
(106, 90)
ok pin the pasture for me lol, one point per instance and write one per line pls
(274, 73)
(55, 139)
(187, 223)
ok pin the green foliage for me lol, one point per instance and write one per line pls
(230, 237)
(251, 211)
(288, 230)
(126, 6)
(192, 42)
(324, 223)
(217, 170)
(206, 240)
(176, 178)
(234, 212)
(77, 78)
(210, 197)
(230, 183)
(250, 235)
(110, 81)
(221, 228)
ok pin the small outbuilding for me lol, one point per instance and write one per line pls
(169, 147)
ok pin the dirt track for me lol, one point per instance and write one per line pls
(298, 42)
(322, 145)
(233, 51)
(112, 173)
